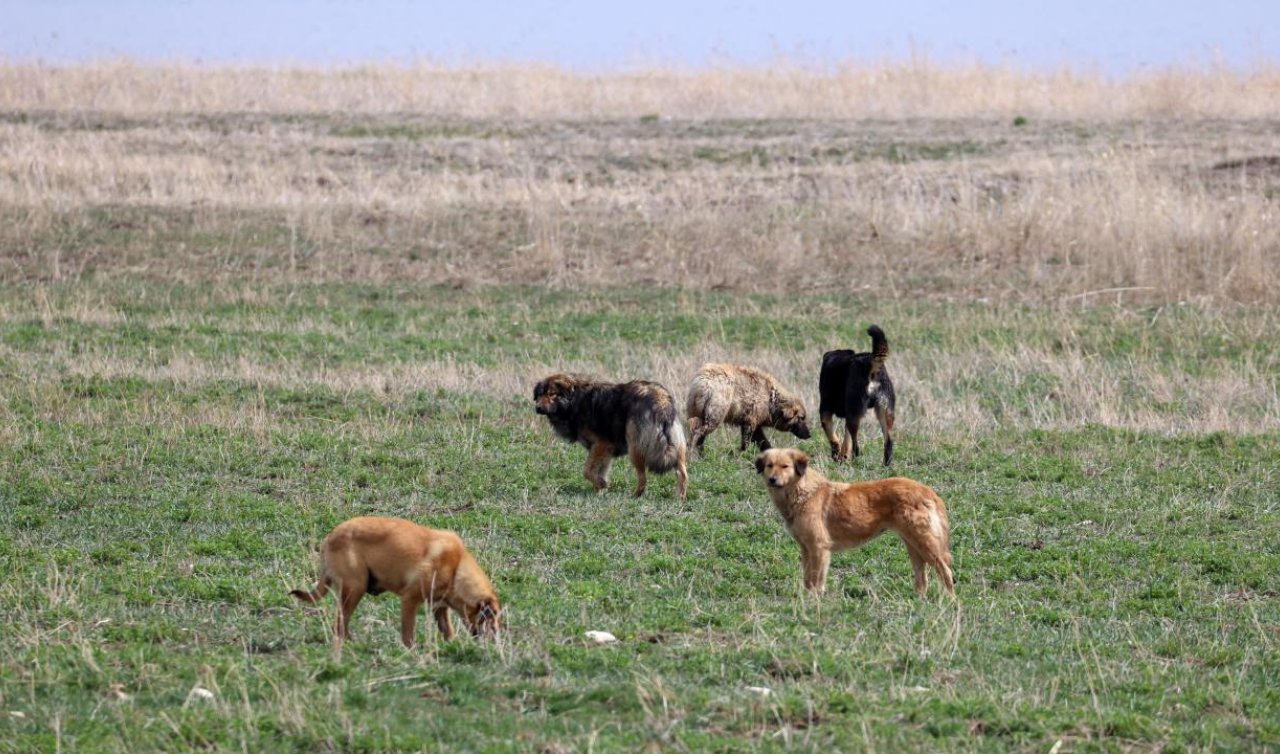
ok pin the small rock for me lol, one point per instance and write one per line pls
(759, 690)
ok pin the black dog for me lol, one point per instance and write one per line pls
(848, 385)
(637, 419)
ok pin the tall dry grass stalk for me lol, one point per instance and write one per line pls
(894, 178)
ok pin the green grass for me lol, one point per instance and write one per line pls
(1118, 588)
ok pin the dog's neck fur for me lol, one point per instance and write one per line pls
(795, 497)
(470, 584)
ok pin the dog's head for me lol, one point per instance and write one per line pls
(483, 617)
(790, 417)
(551, 394)
(781, 467)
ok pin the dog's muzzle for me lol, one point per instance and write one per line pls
(542, 409)
(773, 482)
(801, 431)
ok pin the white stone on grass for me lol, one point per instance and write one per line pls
(601, 637)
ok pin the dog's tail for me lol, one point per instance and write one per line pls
(313, 596)
(879, 349)
(939, 524)
(656, 431)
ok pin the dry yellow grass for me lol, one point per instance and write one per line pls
(911, 179)
(912, 89)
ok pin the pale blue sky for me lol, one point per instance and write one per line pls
(1113, 35)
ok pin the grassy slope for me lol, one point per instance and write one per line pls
(1117, 588)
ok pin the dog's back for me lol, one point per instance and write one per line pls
(388, 555)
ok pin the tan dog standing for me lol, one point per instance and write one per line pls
(825, 517)
(372, 555)
(748, 398)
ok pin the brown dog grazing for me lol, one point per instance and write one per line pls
(636, 419)
(748, 398)
(825, 517)
(372, 555)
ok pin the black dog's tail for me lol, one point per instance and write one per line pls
(879, 350)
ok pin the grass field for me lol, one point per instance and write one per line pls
(174, 456)
(224, 332)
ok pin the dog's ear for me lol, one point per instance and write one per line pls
(760, 464)
(801, 460)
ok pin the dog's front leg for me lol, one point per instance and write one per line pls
(408, 619)
(760, 440)
(598, 460)
(815, 560)
(442, 621)
(747, 432)
(851, 424)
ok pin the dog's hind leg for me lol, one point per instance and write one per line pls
(706, 419)
(918, 568)
(697, 433)
(637, 460)
(941, 562)
(709, 424)
(884, 415)
(828, 428)
(926, 549)
(349, 597)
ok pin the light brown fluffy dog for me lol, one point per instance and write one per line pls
(372, 555)
(748, 398)
(825, 517)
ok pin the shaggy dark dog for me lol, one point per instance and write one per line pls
(636, 419)
(851, 383)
